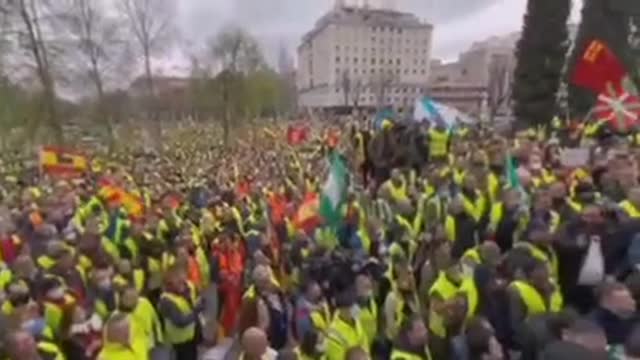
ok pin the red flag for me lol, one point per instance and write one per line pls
(598, 67)
(307, 217)
(296, 135)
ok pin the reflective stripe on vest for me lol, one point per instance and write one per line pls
(630, 209)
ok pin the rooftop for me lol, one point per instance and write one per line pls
(351, 15)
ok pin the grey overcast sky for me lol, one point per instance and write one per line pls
(458, 23)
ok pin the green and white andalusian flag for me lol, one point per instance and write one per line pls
(334, 191)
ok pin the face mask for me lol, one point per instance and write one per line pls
(355, 311)
(57, 293)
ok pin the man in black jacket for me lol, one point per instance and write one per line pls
(616, 312)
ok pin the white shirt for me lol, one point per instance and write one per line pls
(592, 271)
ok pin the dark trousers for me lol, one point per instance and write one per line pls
(186, 351)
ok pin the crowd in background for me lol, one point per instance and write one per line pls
(495, 247)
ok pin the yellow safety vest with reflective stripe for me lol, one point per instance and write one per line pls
(450, 227)
(342, 336)
(403, 355)
(475, 208)
(51, 350)
(173, 333)
(321, 318)
(534, 301)
(493, 187)
(470, 291)
(447, 290)
(369, 320)
(398, 193)
(146, 326)
(138, 280)
(548, 257)
(438, 143)
(630, 209)
(113, 351)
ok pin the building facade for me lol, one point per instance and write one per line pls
(365, 57)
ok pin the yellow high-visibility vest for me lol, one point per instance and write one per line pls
(342, 336)
(534, 301)
(447, 290)
(173, 333)
(438, 143)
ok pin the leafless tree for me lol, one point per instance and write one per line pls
(346, 86)
(498, 89)
(381, 84)
(101, 48)
(356, 91)
(31, 25)
(150, 24)
(238, 54)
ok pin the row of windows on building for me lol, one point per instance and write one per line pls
(397, 71)
(397, 90)
(392, 48)
(388, 100)
(373, 61)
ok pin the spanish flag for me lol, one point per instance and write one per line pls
(62, 162)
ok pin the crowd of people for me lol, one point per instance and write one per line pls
(496, 248)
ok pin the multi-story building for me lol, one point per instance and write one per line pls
(480, 79)
(359, 55)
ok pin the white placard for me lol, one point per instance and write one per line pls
(574, 157)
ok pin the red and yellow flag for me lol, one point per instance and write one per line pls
(62, 162)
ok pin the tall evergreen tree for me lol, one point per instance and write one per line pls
(541, 54)
(611, 22)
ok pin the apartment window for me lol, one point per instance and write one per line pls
(415, 61)
(406, 71)
(373, 39)
(424, 62)
(415, 71)
(338, 47)
(398, 61)
(423, 71)
(370, 98)
(374, 29)
(355, 60)
(398, 71)
(337, 70)
(337, 59)
(373, 61)
(373, 71)
(399, 31)
(355, 71)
